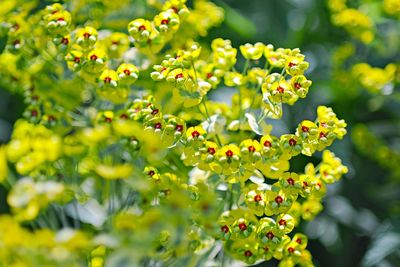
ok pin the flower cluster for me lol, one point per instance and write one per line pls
(368, 142)
(123, 146)
(354, 21)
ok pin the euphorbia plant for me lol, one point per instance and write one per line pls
(124, 157)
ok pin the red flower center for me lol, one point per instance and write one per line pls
(127, 72)
(86, 35)
(64, 41)
(267, 143)
(93, 57)
(298, 240)
(279, 199)
(179, 128)
(270, 235)
(34, 113)
(242, 226)
(180, 75)
(291, 64)
(142, 28)
(257, 198)
(157, 125)
(154, 112)
(297, 86)
(280, 90)
(108, 120)
(321, 135)
(77, 59)
(305, 129)
(229, 153)
(151, 173)
(225, 229)
(195, 134)
(60, 19)
(211, 150)
(164, 21)
(252, 149)
(248, 253)
(209, 75)
(290, 181)
(107, 79)
(282, 222)
(290, 250)
(124, 116)
(292, 142)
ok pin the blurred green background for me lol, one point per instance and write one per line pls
(360, 225)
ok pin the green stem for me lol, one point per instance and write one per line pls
(244, 72)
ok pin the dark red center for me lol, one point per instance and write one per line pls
(211, 150)
(64, 41)
(229, 153)
(292, 142)
(280, 89)
(93, 57)
(297, 86)
(124, 116)
(242, 226)
(267, 143)
(282, 222)
(195, 134)
(290, 250)
(290, 181)
(164, 21)
(154, 112)
(321, 135)
(157, 125)
(151, 173)
(86, 35)
(179, 128)
(248, 253)
(257, 198)
(225, 229)
(34, 113)
(209, 75)
(180, 75)
(77, 59)
(142, 28)
(127, 72)
(252, 149)
(270, 235)
(298, 240)
(108, 120)
(279, 199)
(305, 129)
(107, 80)
(291, 64)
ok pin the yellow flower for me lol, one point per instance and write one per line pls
(252, 52)
(3, 164)
(121, 171)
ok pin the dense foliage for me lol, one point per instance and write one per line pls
(146, 139)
